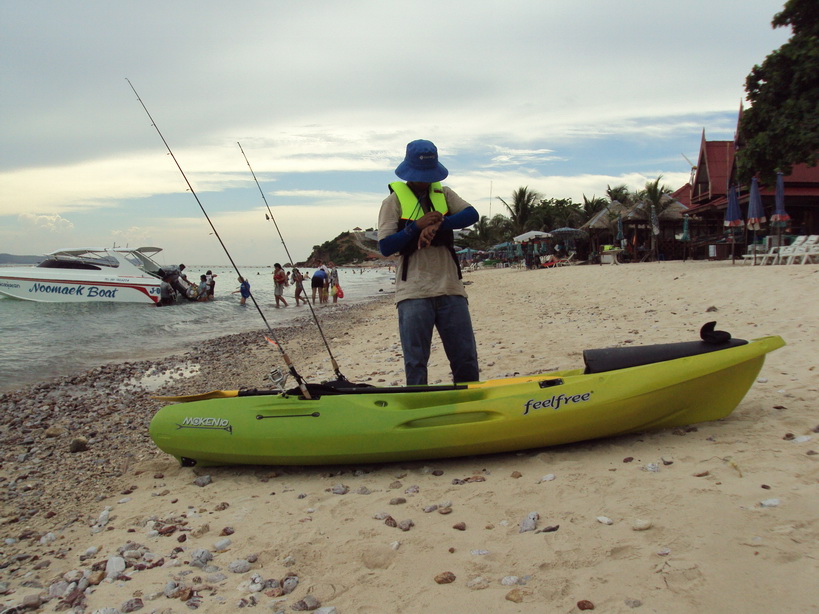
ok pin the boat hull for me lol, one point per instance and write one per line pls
(386, 425)
(24, 285)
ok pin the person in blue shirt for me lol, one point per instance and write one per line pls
(244, 289)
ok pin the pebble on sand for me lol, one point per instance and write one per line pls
(446, 577)
(529, 523)
(308, 603)
(515, 596)
(203, 480)
(78, 444)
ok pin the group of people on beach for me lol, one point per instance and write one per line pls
(175, 283)
(324, 283)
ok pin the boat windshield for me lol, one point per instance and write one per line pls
(141, 261)
(92, 261)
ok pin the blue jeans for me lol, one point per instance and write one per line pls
(450, 316)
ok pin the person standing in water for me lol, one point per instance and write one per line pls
(298, 281)
(244, 289)
(280, 281)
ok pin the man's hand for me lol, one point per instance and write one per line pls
(427, 235)
(429, 219)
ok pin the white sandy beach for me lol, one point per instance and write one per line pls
(709, 546)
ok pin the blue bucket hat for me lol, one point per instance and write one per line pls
(421, 163)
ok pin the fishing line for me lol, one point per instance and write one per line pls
(278, 344)
(290, 259)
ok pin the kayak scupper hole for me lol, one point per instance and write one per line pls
(380, 403)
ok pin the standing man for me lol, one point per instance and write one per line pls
(417, 221)
(317, 282)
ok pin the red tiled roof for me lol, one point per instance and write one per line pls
(719, 156)
(802, 173)
(683, 195)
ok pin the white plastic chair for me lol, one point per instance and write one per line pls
(771, 256)
(785, 253)
(753, 254)
(809, 255)
(797, 253)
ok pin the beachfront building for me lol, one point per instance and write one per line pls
(706, 195)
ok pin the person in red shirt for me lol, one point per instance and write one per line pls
(280, 280)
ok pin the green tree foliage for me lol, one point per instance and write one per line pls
(621, 194)
(523, 204)
(528, 210)
(344, 249)
(655, 194)
(590, 207)
(781, 128)
(559, 213)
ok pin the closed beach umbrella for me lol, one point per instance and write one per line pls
(685, 237)
(620, 236)
(780, 218)
(733, 216)
(756, 214)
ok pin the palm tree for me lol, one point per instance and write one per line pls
(590, 207)
(621, 194)
(655, 200)
(655, 194)
(480, 236)
(523, 204)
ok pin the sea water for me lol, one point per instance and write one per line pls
(45, 340)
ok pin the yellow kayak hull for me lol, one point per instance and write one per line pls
(393, 424)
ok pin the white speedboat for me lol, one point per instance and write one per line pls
(108, 274)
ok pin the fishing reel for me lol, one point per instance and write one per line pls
(278, 377)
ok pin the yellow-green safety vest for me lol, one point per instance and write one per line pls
(410, 209)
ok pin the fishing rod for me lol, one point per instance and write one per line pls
(276, 342)
(290, 259)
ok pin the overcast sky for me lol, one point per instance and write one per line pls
(565, 97)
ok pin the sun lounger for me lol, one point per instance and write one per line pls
(793, 254)
(569, 260)
(805, 254)
(812, 256)
(754, 254)
(771, 256)
(785, 253)
(795, 250)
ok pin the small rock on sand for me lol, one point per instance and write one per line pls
(446, 577)
(529, 523)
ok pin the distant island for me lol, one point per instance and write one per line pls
(12, 259)
(350, 247)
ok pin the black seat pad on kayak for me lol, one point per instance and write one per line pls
(611, 359)
(345, 387)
